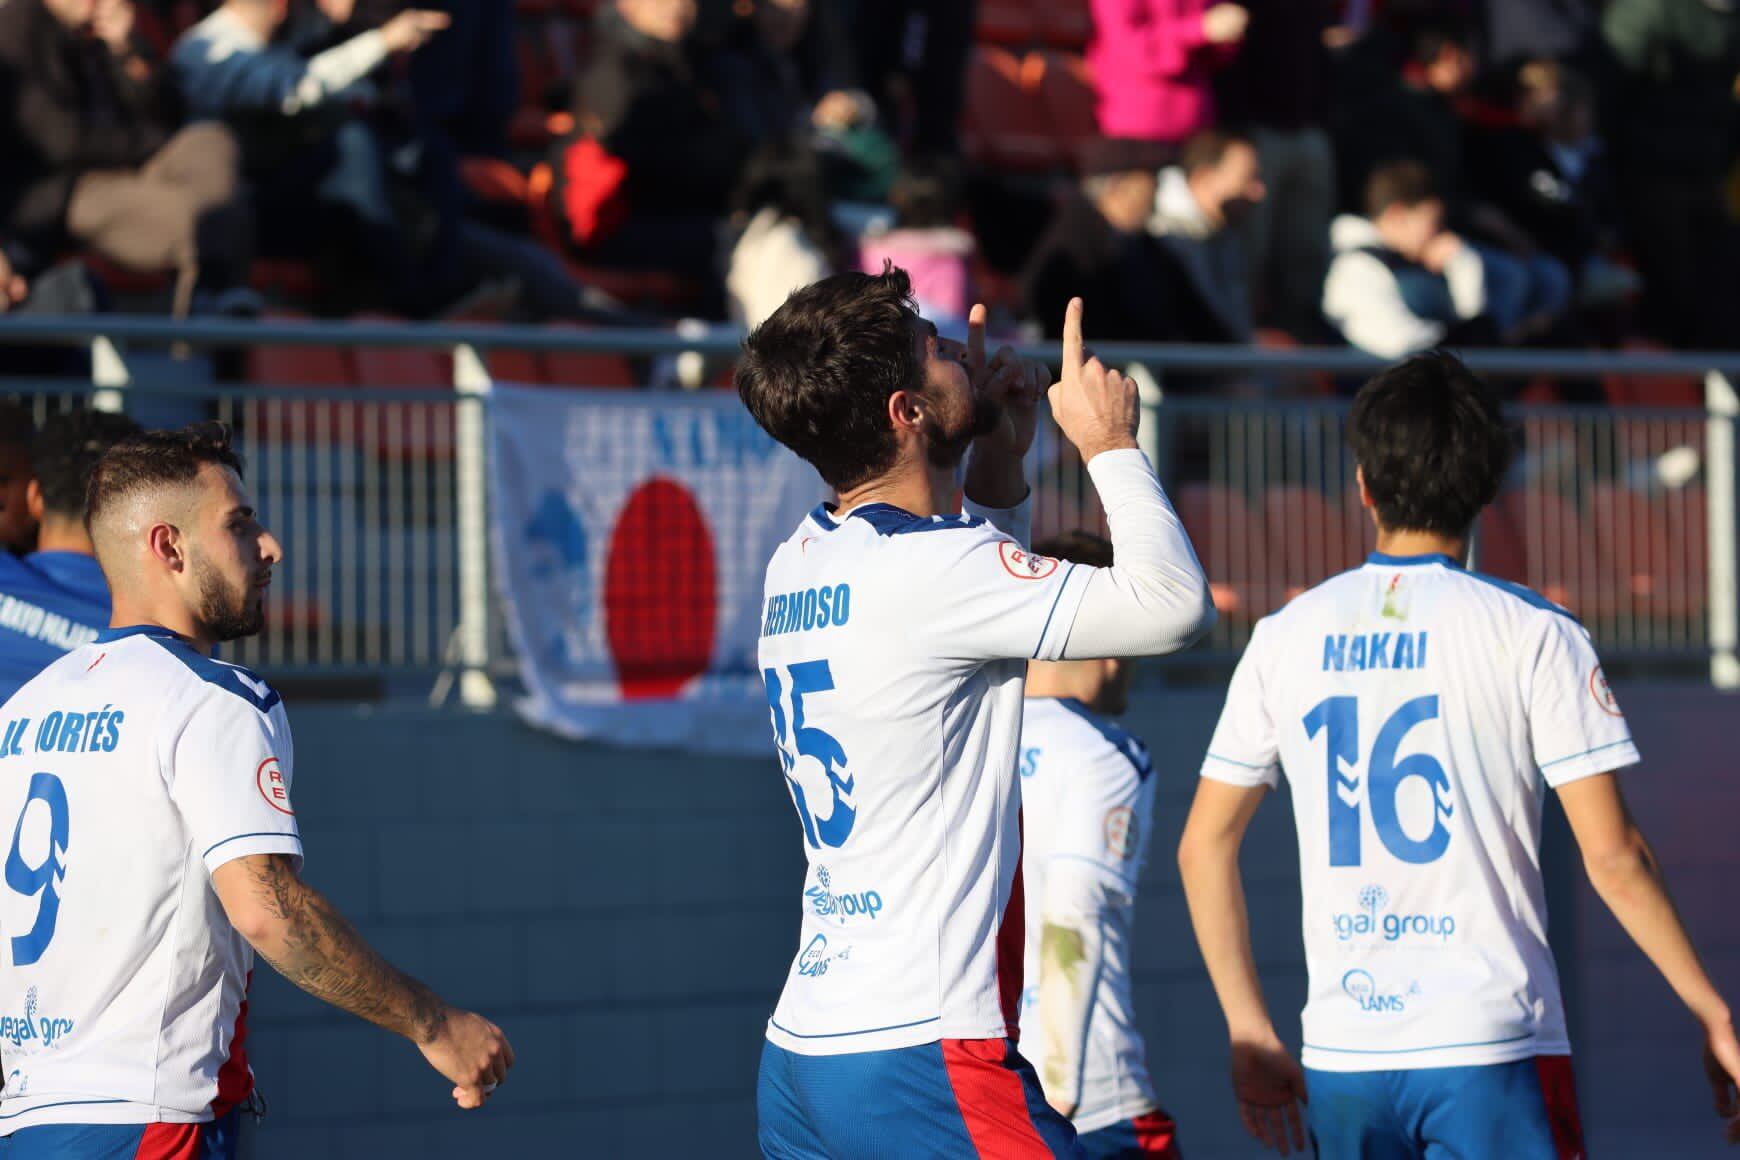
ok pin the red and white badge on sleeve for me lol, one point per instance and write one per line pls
(270, 778)
(1024, 565)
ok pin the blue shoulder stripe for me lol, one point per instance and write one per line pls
(1525, 594)
(1124, 742)
(225, 677)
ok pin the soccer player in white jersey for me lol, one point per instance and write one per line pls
(895, 635)
(1087, 798)
(145, 796)
(1420, 713)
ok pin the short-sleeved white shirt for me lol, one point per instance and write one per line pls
(1087, 794)
(1420, 712)
(893, 649)
(130, 770)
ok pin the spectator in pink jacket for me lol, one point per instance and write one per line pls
(1153, 60)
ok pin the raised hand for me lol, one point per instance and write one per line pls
(410, 29)
(1097, 409)
(1013, 382)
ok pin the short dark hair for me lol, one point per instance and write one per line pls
(1078, 547)
(817, 375)
(1208, 148)
(156, 459)
(1431, 438)
(17, 427)
(67, 450)
(1403, 183)
(1435, 32)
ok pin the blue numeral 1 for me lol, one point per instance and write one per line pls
(41, 879)
(1341, 716)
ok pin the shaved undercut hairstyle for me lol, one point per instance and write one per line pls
(156, 459)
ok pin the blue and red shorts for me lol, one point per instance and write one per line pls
(215, 1140)
(1145, 1137)
(952, 1098)
(1526, 1110)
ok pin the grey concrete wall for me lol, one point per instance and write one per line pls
(627, 917)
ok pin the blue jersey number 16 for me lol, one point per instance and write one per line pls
(45, 877)
(800, 740)
(1338, 719)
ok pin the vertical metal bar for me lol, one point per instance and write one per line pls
(374, 530)
(352, 575)
(421, 451)
(1722, 405)
(322, 491)
(471, 379)
(397, 543)
(109, 373)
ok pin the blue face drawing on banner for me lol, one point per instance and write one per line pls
(556, 548)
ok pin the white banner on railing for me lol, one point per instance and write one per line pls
(632, 534)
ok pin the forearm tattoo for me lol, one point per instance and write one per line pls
(324, 955)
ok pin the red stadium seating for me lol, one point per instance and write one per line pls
(1498, 546)
(1008, 22)
(1625, 390)
(1562, 561)
(1066, 23)
(1308, 538)
(515, 366)
(1006, 125)
(565, 369)
(1229, 542)
(279, 420)
(1653, 548)
(1066, 89)
(411, 431)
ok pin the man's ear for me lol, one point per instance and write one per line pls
(1364, 493)
(164, 543)
(906, 411)
(33, 499)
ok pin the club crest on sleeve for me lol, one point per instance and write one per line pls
(1024, 565)
(1121, 832)
(1598, 688)
(273, 787)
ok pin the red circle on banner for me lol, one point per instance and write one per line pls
(660, 592)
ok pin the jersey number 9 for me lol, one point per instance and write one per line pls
(45, 877)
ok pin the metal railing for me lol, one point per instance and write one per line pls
(1626, 515)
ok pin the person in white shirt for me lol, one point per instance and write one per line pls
(1420, 712)
(146, 792)
(895, 636)
(1087, 805)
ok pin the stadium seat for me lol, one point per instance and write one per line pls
(1631, 390)
(1308, 538)
(1562, 561)
(1066, 89)
(273, 419)
(408, 430)
(1653, 548)
(1067, 24)
(1006, 125)
(515, 366)
(572, 369)
(1229, 542)
(1007, 22)
(1498, 547)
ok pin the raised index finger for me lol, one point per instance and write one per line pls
(1072, 358)
(976, 335)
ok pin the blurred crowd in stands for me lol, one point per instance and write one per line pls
(1387, 173)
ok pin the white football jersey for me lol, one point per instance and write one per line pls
(886, 649)
(1420, 712)
(131, 769)
(1087, 793)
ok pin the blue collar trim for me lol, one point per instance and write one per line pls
(1384, 561)
(156, 631)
